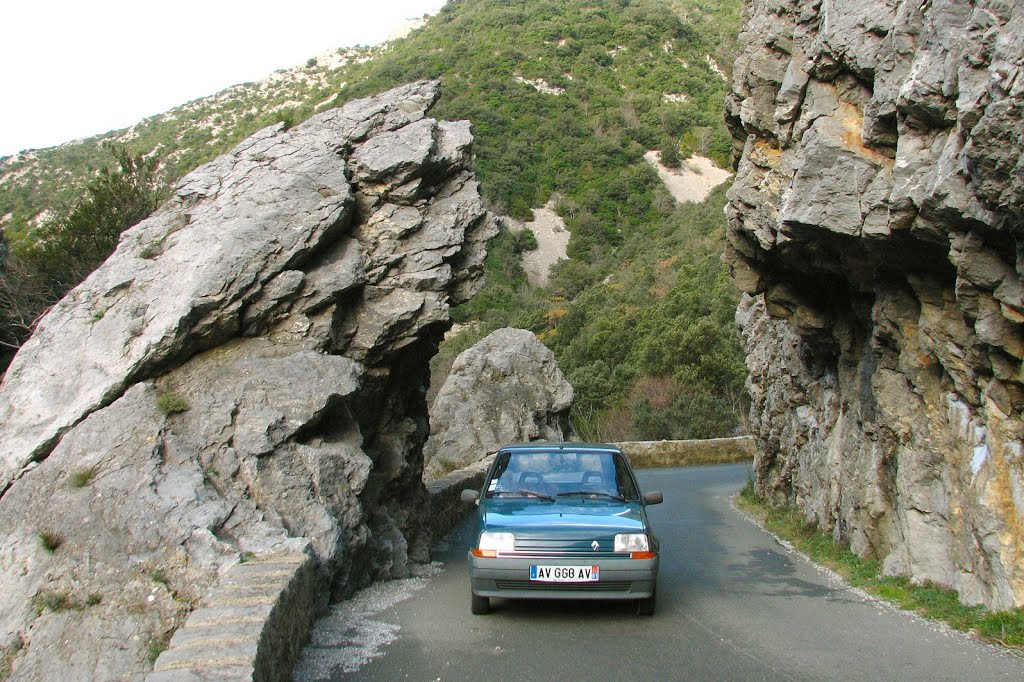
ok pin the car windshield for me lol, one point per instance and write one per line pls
(562, 474)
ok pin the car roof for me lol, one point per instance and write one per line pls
(546, 446)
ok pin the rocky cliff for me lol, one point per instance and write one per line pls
(246, 374)
(877, 225)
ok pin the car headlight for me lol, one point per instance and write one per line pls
(492, 542)
(631, 542)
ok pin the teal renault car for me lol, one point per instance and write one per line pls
(562, 520)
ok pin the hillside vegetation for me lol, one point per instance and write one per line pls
(565, 98)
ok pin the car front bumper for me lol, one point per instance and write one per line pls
(509, 577)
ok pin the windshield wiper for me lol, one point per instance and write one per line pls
(591, 493)
(526, 493)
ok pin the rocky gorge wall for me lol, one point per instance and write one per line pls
(876, 226)
(244, 376)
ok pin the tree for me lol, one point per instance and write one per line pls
(670, 156)
(56, 257)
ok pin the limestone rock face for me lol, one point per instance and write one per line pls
(505, 389)
(245, 374)
(876, 226)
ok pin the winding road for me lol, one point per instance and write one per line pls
(733, 604)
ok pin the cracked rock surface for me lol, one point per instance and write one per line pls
(876, 227)
(507, 388)
(245, 374)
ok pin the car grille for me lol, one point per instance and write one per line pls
(600, 586)
(562, 555)
(546, 547)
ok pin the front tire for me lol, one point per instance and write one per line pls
(479, 606)
(645, 607)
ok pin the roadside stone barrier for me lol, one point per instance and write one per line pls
(250, 626)
(681, 453)
(446, 509)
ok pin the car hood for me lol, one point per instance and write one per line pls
(526, 517)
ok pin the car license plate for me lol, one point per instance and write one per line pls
(564, 574)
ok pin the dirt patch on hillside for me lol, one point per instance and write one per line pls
(552, 242)
(693, 180)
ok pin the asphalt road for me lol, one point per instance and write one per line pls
(733, 604)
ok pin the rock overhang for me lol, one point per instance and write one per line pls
(872, 219)
(243, 375)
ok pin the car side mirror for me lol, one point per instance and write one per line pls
(469, 495)
(654, 497)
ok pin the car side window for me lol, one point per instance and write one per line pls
(624, 481)
(501, 478)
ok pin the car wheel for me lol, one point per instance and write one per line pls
(479, 606)
(645, 607)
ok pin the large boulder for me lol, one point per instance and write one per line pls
(875, 224)
(505, 389)
(244, 375)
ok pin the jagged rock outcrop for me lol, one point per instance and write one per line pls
(505, 389)
(877, 222)
(245, 374)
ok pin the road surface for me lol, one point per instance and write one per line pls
(733, 604)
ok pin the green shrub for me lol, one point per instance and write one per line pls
(670, 156)
(82, 477)
(6, 663)
(52, 600)
(151, 251)
(526, 240)
(156, 645)
(50, 541)
(170, 403)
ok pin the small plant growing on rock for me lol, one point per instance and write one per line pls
(52, 600)
(151, 252)
(170, 403)
(6, 657)
(82, 477)
(94, 599)
(446, 466)
(158, 575)
(50, 541)
(157, 645)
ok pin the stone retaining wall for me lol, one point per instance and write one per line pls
(682, 453)
(446, 509)
(250, 626)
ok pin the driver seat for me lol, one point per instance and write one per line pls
(534, 482)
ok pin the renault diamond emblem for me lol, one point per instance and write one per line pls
(594, 545)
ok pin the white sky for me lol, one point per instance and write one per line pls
(76, 68)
